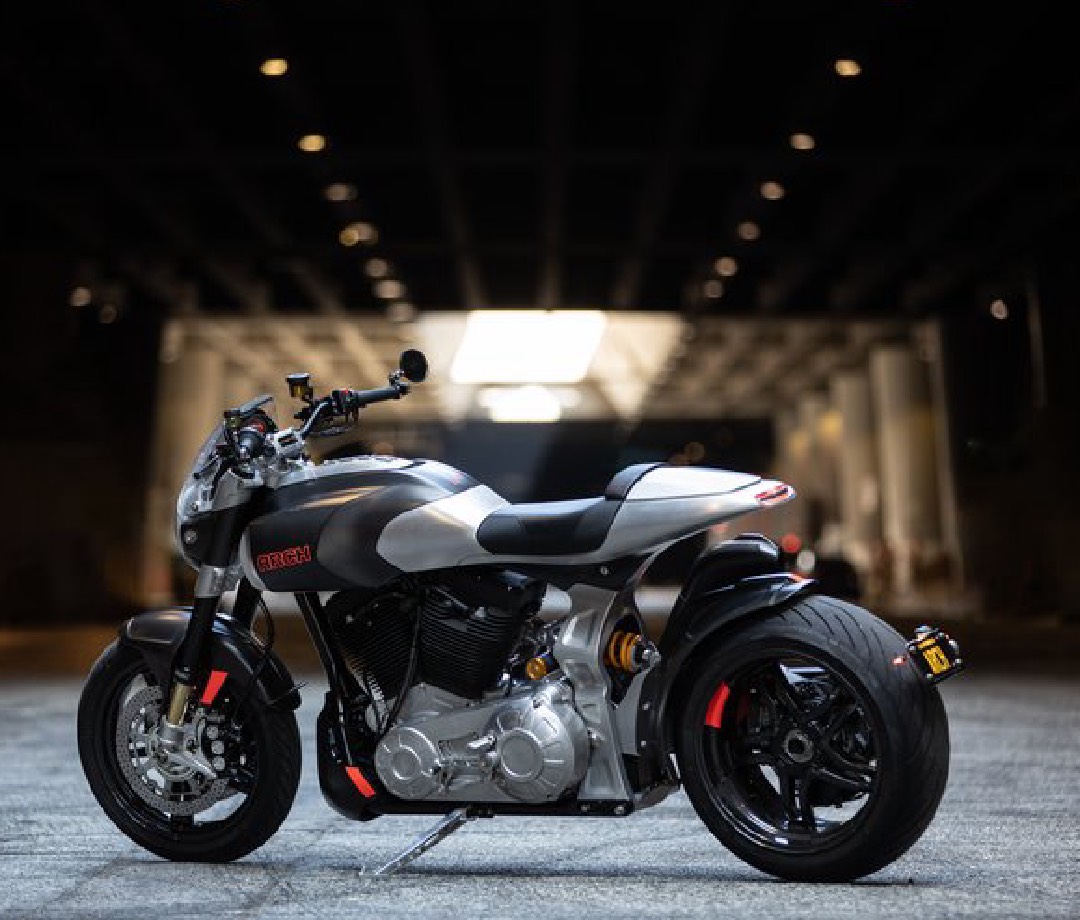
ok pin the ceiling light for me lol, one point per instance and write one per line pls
(802, 141)
(377, 268)
(846, 67)
(726, 267)
(274, 67)
(401, 311)
(312, 143)
(388, 289)
(999, 309)
(80, 296)
(527, 346)
(340, 191)
(772, 191)
(107, 314)
(748, 231)
(357, 233)
(521, 404)
(713, 289)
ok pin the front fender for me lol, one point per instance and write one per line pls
(157, 635)
(725, 587)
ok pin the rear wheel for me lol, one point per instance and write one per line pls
(810, 746)
(251, 758)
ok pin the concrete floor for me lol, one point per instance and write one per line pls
(1006, 842)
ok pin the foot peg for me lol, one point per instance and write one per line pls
(454, 821)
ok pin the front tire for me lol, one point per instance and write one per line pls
(810, 746)
(182, 817)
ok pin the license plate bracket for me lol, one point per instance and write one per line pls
(935, 654)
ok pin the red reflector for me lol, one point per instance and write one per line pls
(213, 685)
(777, 493)
(715, 713)
(360, 782)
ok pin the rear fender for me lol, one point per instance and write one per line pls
(234, 650)
(737, 581)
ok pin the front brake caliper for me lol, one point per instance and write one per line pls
(935, 654)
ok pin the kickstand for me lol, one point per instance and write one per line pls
(454, 821)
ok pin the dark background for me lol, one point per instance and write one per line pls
(548, 154)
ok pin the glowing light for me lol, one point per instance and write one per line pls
(527, 346)
(340, 191)
(846, 67)
(521, 404)
(802, 141)
(355, 234)
(726, 267)
(805, 561)
(312, 143)
(401, 311)
(772, 191)
(274, 67)
(713, 289)
(748, 230)
(80, 296)
(377, 268)
(999, 309)
(108, 314)
(388, 289)
(790, 543)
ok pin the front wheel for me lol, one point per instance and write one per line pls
(810, 746)
(231, 807)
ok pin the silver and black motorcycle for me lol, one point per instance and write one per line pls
(486, 658)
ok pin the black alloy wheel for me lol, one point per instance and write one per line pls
(809, 744)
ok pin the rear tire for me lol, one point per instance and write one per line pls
(266, 748)
(810, 746)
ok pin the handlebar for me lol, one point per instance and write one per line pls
(346, 403)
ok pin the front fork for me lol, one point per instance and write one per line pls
(194, 650)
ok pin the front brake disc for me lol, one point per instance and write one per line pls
(168, 787)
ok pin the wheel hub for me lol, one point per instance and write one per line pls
(797, 746)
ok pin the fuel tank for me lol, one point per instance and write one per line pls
(321, 524)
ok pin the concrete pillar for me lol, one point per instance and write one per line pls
(907, 458)
(817, 421)
(860, 484)
(789, 465)
(189, 404)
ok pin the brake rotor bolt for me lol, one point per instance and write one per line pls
(218, 763)
(218, 747)
(212, 732)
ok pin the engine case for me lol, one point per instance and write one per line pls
(531, 746)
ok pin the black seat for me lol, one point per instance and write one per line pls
(548, 528)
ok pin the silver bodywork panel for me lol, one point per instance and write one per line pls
(665, 505)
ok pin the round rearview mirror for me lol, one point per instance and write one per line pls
(413, 365)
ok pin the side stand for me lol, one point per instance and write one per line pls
(454, 821)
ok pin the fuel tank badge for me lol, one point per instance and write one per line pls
(283, 558)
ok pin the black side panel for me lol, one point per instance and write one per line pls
(158, 634)
(320, 535)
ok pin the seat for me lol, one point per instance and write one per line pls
(548, 528)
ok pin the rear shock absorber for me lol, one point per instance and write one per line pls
(630, 652)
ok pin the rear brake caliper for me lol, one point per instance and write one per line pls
(935, 654)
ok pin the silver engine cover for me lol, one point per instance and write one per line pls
(530, 746)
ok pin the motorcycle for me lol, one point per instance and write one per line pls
(486, 658)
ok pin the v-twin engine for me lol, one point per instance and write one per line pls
(530, 746)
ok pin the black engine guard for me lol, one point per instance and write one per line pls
(157, 635)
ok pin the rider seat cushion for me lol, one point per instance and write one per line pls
(548, 528)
